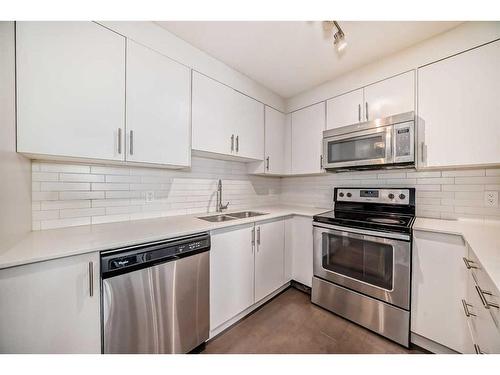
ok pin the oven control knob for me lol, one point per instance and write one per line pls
(349, 195)
(341, 195)
(402, 196)
(391, 196)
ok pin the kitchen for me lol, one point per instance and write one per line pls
(166, 193)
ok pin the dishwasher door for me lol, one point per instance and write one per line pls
(159, 309)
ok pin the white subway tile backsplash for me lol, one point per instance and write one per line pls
(83, 194)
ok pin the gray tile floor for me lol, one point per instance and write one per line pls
(290, 323)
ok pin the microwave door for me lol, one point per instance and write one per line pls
(364, 148)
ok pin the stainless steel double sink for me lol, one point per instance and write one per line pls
(232, 216)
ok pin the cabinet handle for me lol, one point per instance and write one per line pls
(91, 279)
(267, 163)
(253, 238)
(258, 237)
(131, 142)
(321, 162)
(485, 303)
(366, 108)
(469, 263)
(359, 112)
(232, 142)
(478, 349)
(119, 140)
(423, 149)
(237, 143)
(466, 309)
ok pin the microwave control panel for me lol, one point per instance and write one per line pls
(404, 142)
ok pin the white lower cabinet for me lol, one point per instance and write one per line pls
(299, 249)
(246, 265)
(51, 306)
(439, 282)
(269, 258)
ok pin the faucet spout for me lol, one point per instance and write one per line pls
(220, 206)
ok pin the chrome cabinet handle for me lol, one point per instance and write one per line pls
(484, 301)
(258, 236)
(232, 142)
(237, 143)
(253, 238)
(131, 142)
(91, 279)
(466, 309)
(478, 349)
(321, 162)
(469, 263)
(267, 163)
(366, 108)
(359, 112)
(119, 140)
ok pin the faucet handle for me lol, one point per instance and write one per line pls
(224, 206)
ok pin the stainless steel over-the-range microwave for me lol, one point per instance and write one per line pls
(382, 143)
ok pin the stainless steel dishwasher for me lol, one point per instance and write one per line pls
(155, 296)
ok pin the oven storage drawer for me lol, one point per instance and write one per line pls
(380, 317)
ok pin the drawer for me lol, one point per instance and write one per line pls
(484, 332)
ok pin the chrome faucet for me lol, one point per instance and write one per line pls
(220, 206)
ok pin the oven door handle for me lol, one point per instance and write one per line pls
(395, 236)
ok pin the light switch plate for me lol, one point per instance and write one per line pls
(491, 198)
(150, 196)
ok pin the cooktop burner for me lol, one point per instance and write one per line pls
(384, 210)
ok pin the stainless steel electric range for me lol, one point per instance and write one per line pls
(362, 259)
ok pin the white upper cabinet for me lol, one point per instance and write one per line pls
(390, 97)
(269, 257)
(308, 125)
(70, 90)
(158, 108)
(346, 109)
(458, 109)
(275, 139)
(225, 122)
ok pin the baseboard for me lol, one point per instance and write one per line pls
(244, 314)
(430, 345)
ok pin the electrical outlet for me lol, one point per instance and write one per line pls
(491, 198)
(150, 196)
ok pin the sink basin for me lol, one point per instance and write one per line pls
(246, 214)
(217, 218)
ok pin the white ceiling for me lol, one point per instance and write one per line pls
(289, 57)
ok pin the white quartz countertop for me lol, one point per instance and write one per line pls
(483, 238)
(44, 245)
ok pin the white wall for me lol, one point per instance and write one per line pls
(161, 40)
(463, 37)
(15, 170)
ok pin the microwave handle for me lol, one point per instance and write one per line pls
(390, 142)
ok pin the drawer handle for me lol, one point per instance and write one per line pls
(91, 279)
(478, 349)
(485, 303)
(469, 263)
(466, 305)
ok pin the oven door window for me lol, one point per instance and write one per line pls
(359, 258)
(353, 149)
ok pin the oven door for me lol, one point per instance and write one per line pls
(363, 148)
(359, 260)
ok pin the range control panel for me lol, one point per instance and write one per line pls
(383, 196)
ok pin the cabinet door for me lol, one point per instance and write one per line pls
(458, 109)
(213, 120)
(308, 125)
(248, 125)
(390, 97)
(345, 109)
(47, 307)
(231, 273)
(269, 257)
(275, 142)
(439, 283)
(299, 244)
(158, 108)
(70, 90)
